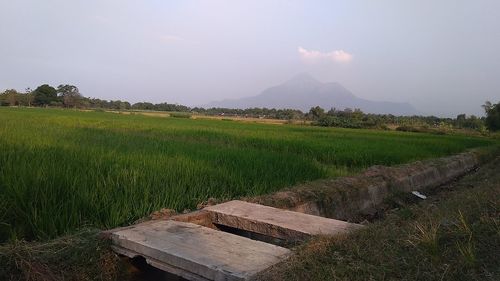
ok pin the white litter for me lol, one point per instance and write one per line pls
(419, 195)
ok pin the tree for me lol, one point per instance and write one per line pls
(70, 95)
(460, 120)
(492, 120)
(316, 112)
(44, 95)
(332, 112)
(487, 106)
(30, 97)
(461, 117)
(2, 99)
(357, 114)
(11, 97)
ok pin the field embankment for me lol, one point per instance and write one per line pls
(358, 197)
(63, 169)
(452, 235)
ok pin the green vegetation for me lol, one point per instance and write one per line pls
(69, 96)
(180, 115)
(349, 118)
(453, 235)
(64, 169)
(492, 116)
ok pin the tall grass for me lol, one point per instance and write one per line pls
(62, 169)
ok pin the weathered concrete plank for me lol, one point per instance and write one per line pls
(196, 252)
(283, 224)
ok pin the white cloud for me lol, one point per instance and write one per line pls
(316, 56)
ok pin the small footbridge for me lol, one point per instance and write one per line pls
(230, 241)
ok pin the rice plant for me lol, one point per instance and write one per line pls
(64, 169)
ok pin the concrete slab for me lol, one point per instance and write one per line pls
(278, 223)
(196, 252)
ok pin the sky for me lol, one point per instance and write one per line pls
(443, 56)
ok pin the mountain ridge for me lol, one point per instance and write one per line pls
(303, 92)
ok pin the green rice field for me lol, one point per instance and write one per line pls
(63, 169)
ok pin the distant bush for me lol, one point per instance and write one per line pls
(384, 127)
(422, 129)
(333, 121)
(409, 129)
(180, 115)
(348, 122)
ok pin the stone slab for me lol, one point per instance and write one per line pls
(278, 223)
(196, 252)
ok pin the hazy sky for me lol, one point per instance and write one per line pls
(441, 56)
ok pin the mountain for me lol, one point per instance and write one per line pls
(303, 92)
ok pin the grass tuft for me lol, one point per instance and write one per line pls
(425, 236)
(80, 256)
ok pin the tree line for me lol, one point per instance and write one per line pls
(69, 96)
(349, 118)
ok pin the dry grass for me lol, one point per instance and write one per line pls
(453, 235)
(80, 256)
